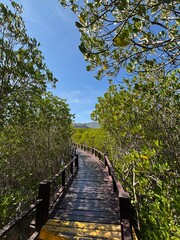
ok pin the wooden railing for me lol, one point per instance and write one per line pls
(49, 193)
(124, 198)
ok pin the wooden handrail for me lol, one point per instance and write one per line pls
(42, 203)
(45, 188)
(7, 228)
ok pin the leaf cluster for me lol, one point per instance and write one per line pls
(128, 34)
(35, 126)
(141, 120)
(23, 73)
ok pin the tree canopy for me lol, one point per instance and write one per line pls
(142, 124)
(127, 34)
(23, 73)
(35, 126)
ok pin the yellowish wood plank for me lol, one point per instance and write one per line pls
(81, 225)
(82, 232)
(46, 235)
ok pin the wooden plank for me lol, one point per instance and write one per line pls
(105, 220)
(83, 229)
(85, 225)
(106, 203)
(92, 195)
(88, 207)
(98, 190)
(92, 185)
(91, 178)
(102, 214)
(50, 236)
(72, 196)
(83, 232)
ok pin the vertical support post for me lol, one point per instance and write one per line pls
(92, 151)
(125, 216)
(95, 152)
(109, 171)
(42, 210)
(72, 167)
(99, 156)
(64, 177)
(77, 162)
(105, 162)
(114, 184)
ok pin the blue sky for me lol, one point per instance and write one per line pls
(54, 27)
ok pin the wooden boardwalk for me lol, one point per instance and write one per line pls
(89, 209)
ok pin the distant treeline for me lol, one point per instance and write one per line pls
(87, 125)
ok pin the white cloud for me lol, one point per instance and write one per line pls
(75, 100)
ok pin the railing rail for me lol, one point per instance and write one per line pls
(124, 198)
(49, 193)
(49, 200)
(7, 228)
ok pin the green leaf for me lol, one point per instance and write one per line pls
(82, 18)
(120, 42)
(78, 25)
(82, 48)
(3, 8)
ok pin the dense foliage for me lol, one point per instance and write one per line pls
(117, 34)
(142, 121)
(91, 137)
(35, 126)
(140, 132)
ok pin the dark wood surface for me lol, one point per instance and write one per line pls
(90, 197)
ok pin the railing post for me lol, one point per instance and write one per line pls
(92, 150)
(64, 178)
(125, 216)
(77, 162)
(42, 210)
(114, 184)
(72, 167)
(105, 162)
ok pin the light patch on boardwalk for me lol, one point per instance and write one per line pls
(79, 230)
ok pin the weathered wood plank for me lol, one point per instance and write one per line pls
(88, 219)
(91, 230)
(90, 206)
(80, 225)
(91, 195)
(91, 191)
(102, 214)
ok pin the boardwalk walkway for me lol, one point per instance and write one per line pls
(89, 208)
